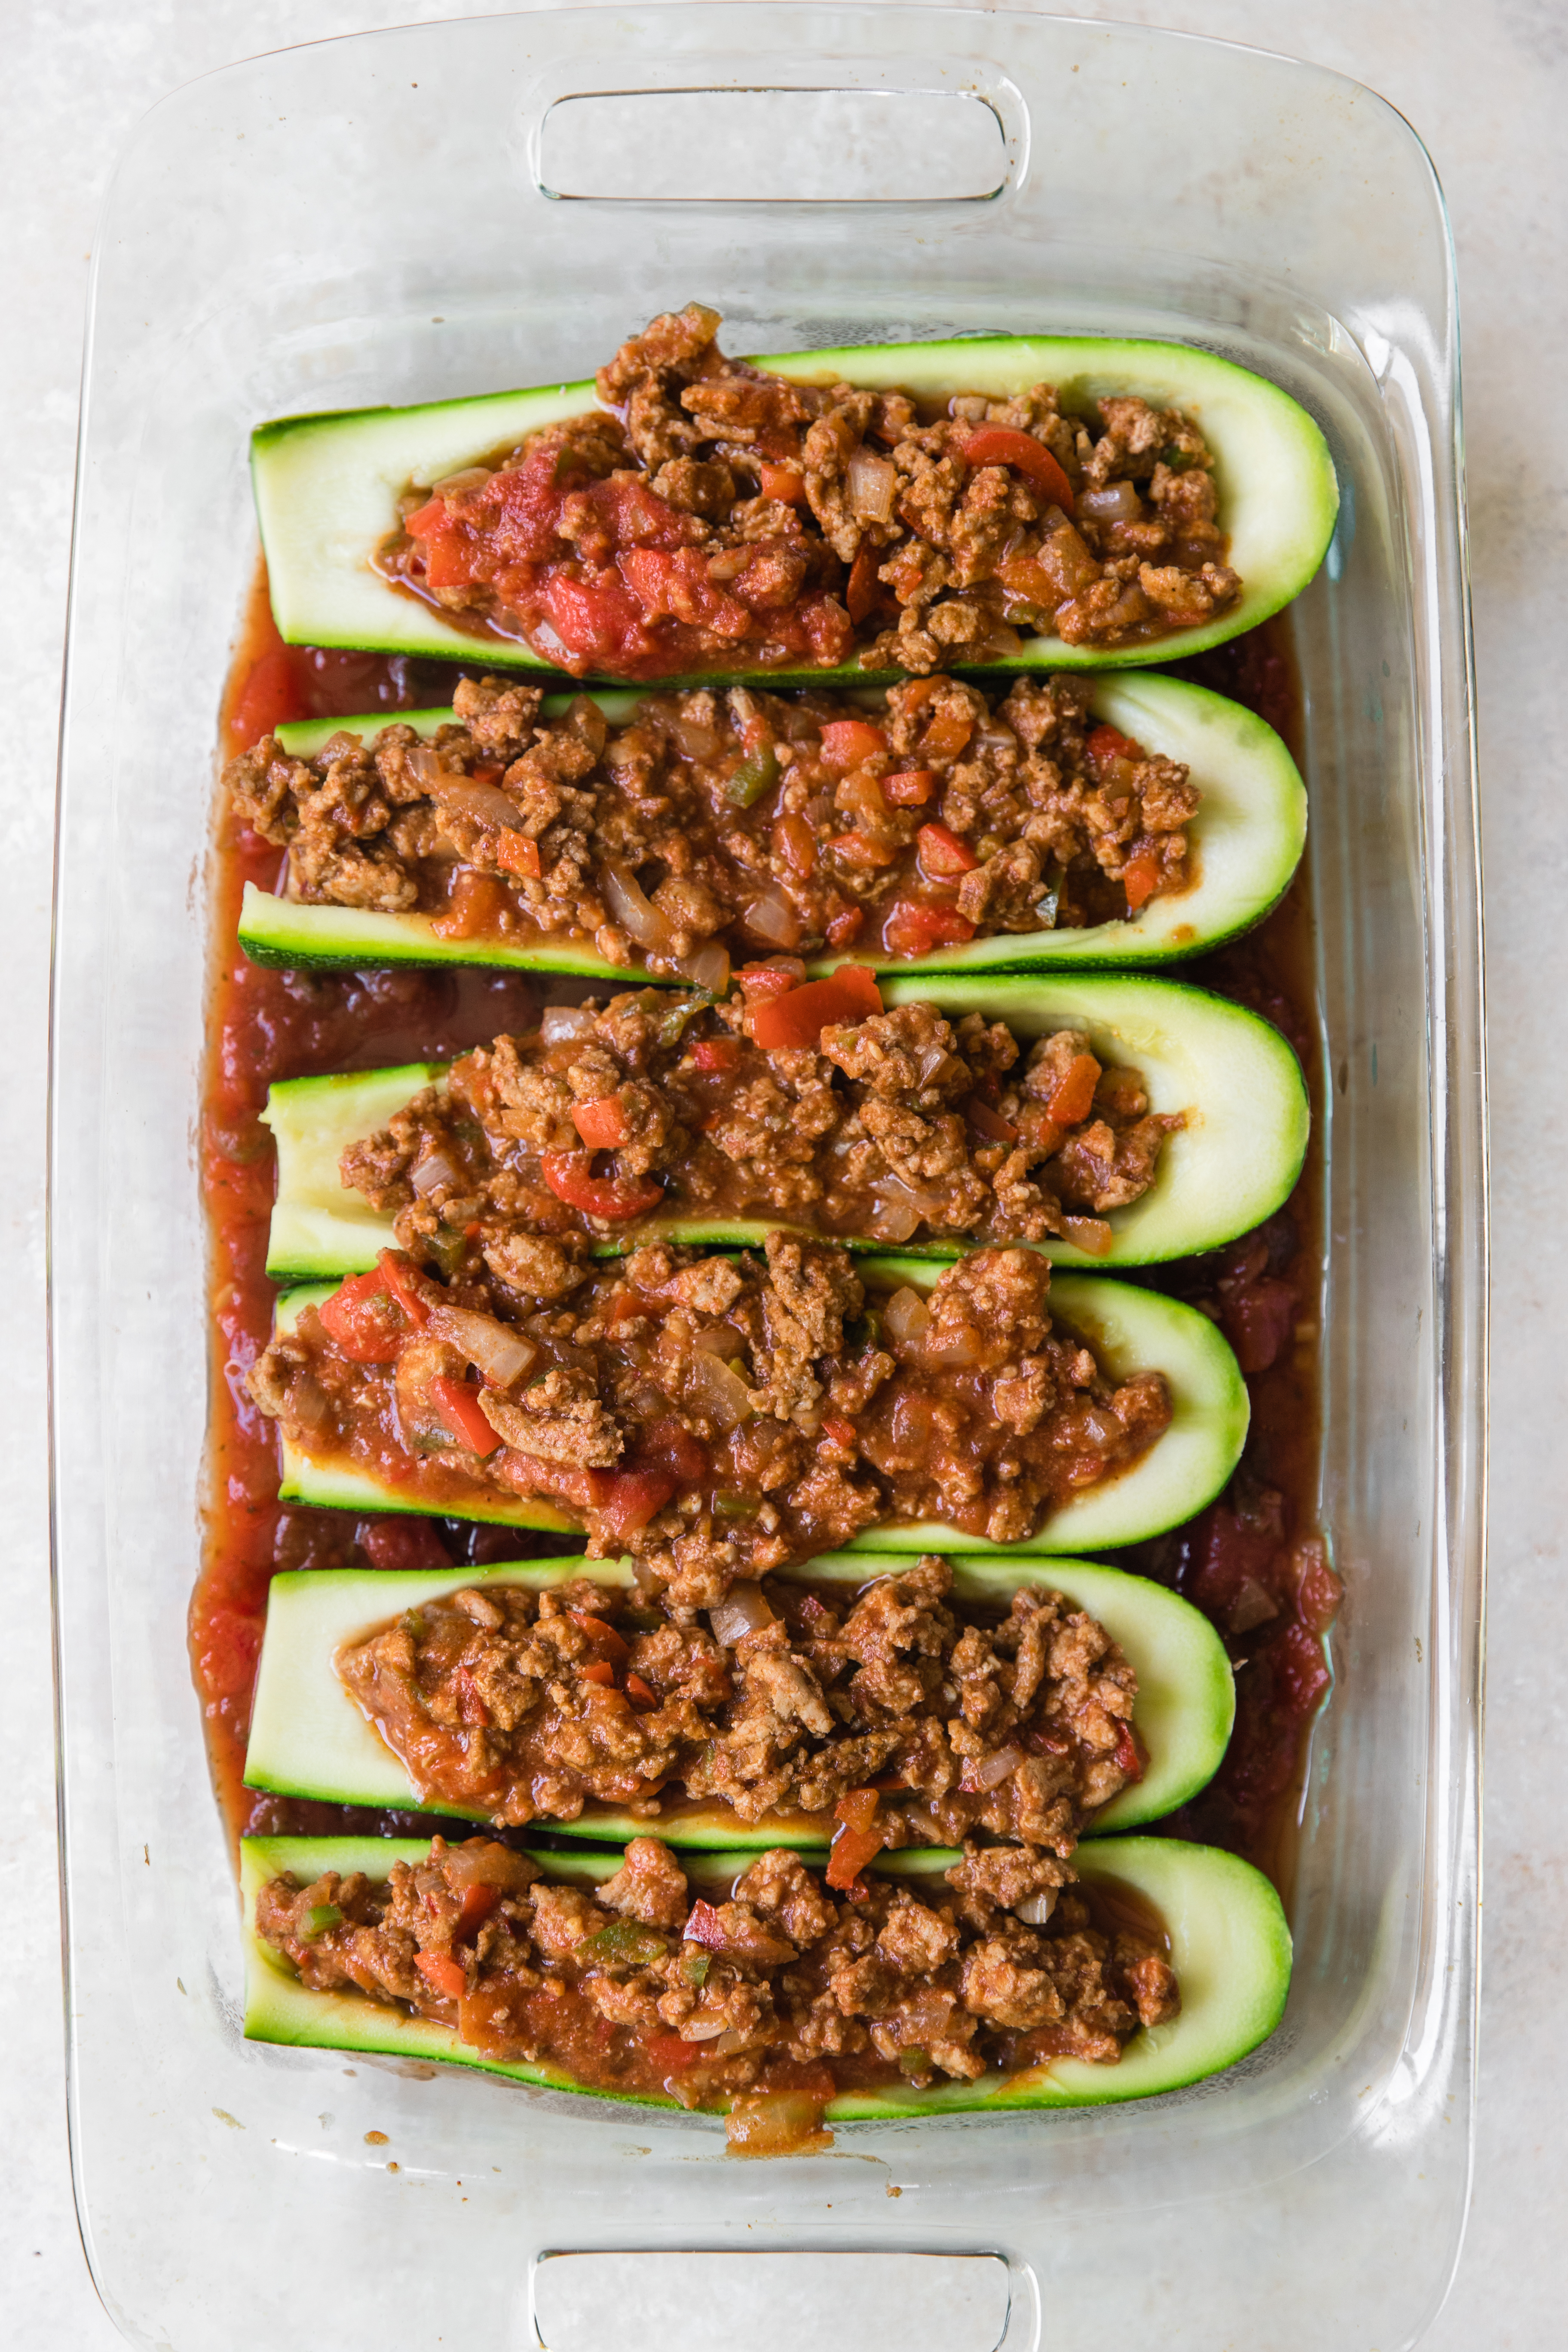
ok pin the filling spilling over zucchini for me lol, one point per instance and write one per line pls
(1110, 1119)
(720, 1417)
(917, 1702)
(929, 829)
(1006, 503)
(990, 1979)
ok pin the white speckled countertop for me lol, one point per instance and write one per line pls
(1486, 84)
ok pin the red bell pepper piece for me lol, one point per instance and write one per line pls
(847, 742)
(478, 1902)
(442, 1975)
(717, 1054)
(568, 1177)
(913, 927)
(630, 1498)
(856, 1840)
(396, 1272)
(911, 788)
(520, 854)
(1001, 444)
(1104, 744)
(364, 1321)
(1141, 878)
(603, 1124)
(799, 1017)
(458, 1406)
(942, 854)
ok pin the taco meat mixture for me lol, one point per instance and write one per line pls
(710, 825)
(910, 1716)
(716, 517)
(774, 1994)
(715, 1417)
(785, 1102)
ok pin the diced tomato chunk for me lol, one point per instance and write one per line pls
(856, 1841)
(863, 591)
(475, 909)
(603, 1124)
(1300, 1670)
(704, 1927)
(1104, 744)
(364, 1321)
(602, 1635)
(942, 854)
(1259, 1318)
(1319, 1593)
(846, 926)
(632, 1497)
(846, 742)
(444, 1976)
(520, 854)
(478, 1902)
(1141, 878)
(569, 1177)
(841, 1433)
(1000, 445)
(1072, 1097)
(717, 1054)
(458, 1406)
(760, 981)
(1128, 1759)
(667, 2052)
(403, 1542)
(798, 1018)
(782, 482)
(270, 697)
(668, 1445)
(913, 927)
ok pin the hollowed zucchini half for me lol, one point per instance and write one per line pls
(1246, 843)
(309, 1738)
(1229, 1945)
(326, 485)
(1129, 1330)
(1229, 1074)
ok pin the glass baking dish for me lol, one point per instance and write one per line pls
(363, 221)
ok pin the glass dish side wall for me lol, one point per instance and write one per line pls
(310, 270)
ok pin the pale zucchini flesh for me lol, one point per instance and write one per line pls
(309, 1738)
(326, 485)
(1232, 1078)
(1246, 843)
(1229, 1947)
(1129, 1330)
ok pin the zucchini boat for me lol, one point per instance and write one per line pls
(1129, 1329)
(1233, 1077)
(1245, 844)
(309, 1738)
(327, 487)
(1230, 1948)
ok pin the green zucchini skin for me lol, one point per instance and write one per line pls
(308, 1739)
(1246, 843)
(1230, 1948)
(1129, 1328)
(326, 485)
(1228, 1170)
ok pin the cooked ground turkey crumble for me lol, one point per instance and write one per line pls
(715, 1417)
(781, 1988)
(710, 825)
(939, 1720)
(899, 1125)
(720, 517)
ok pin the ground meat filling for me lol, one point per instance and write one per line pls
(710, 827)
(720, 517)
(933, 1719)
(773, 1990)
(898, 1125)
(715, 1417)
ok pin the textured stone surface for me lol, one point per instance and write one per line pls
(1487, 85)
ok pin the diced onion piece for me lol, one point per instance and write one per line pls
(470, 478)
(695, 737)
(873, 487)
(703, 2029)
(560, 1022)
(632, 910)
(743, 1611)
(423, 764)
(502, 1354)
(771, 917)
(487, 804)
(1117, 502)
(433, 1170)
(896, 1215)
(958, 1347)
(1035, 1909)
(714, 1391)
(989, 1771)
(709, 969)
(1100, 1425)
(906, 1319)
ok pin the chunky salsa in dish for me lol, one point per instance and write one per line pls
(714, 515)
(804, 1103)
(714, 1416)
(913, 1718)
(768, 1997)
(709, 824)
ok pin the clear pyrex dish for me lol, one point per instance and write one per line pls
(363, 221)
